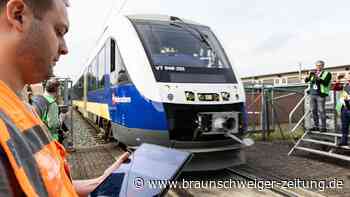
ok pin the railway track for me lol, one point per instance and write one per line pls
(240, 173)
(251, 177)
(85, 133)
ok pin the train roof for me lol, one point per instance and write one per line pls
(157, 17)
(154, 17)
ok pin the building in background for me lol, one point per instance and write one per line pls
(292, 77)
(288, 89)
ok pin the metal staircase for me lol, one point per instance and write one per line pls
(321, 143)
(315, 142)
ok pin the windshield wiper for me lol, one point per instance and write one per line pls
(202, 37)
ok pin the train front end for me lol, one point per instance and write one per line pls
(200, 101)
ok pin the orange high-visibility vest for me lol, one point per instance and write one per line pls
(37, 161)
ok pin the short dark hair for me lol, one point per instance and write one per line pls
(320, 62)
(52, 85)
(39, 7)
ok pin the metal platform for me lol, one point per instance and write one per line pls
(310, 139)
(321, 143)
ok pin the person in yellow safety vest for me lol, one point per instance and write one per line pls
(31, 163)
(319, 87)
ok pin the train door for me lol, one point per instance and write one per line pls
(99, 95)
(118, 91)
(104, 73)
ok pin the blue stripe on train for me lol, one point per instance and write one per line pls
(140, 113)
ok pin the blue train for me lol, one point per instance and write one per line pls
(168, 81)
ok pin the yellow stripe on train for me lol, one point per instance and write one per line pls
(98, 109)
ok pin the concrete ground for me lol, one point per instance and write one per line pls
(267, 159)
(271, 159)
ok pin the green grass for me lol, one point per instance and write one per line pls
(277, 136)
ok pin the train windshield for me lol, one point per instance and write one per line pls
(184, 53)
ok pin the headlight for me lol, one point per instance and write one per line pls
(170, 97)
(190, 96)
(225, 96)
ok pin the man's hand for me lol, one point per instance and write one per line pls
(63, 117)
(116, 164)
(85, 187)
(65, 134)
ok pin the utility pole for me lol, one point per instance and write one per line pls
(300, 70)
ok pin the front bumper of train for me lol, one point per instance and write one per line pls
(209, 155)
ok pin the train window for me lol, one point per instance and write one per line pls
(180, 45)
(119, 75)
(97, 70)
(101, 68)
(112, 55)
(94, 74)
(81, 81)
(108, 57)
(122, 73)
(193, 49)
(90, 78)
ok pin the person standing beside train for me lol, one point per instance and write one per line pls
(46, 107)
(31, 163)
(319, 87)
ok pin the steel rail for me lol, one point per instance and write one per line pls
(251, 177)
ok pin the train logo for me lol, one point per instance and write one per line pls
(116, 100)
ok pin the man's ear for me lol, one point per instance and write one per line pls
(17, 13)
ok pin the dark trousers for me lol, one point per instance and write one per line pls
(345, 121)
(60, 136)
(318, 105)
(61, 133)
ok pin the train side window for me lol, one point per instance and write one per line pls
(95, 70)
(102, 65)
(98, 70)
(81, 81)
(90, 78)
(119, 74)
(92, 71)
(112, 55)
(123, 76)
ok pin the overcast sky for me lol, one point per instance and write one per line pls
(263, 36)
